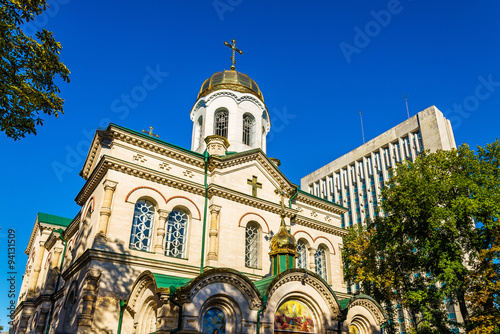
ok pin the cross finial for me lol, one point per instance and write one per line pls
(233, 47)
(150, 133)
(255, 185)
(281, 191)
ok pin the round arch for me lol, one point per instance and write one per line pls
(252, 216)
(183, 202)
(148, 193)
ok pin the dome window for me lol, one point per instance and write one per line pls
(221, 121)
(248, 129)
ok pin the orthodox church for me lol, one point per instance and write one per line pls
(212, 239)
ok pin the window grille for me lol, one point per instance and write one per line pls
(320, 261)
(175, 242)
(142, 225)
(302, 258)
(252, 245)
(221, 121)
(248, 129)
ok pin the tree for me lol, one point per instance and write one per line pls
(436, 234)
(27, 68)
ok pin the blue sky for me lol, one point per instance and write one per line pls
(139, 64)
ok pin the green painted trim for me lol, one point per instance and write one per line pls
(53, 220)
(322, 199)
(202, 262)
(166, 281)
(159, 141)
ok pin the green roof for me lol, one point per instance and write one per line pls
(53, 220)
(263, 284)
(166, 281)
(343, 302)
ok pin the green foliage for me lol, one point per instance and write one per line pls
(28, 68)
(437, 240)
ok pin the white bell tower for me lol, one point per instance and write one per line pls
(231, 105)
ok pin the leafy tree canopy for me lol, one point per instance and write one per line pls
(27, 68)
(436, 243)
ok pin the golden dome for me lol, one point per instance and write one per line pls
(283, 242)
(232, 80)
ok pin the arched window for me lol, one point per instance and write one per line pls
(70, 302)
(142, 225)
(176, 236)
(302, 258)
(198, 136)
(221, 121)
(214, 321)
(320, 261)
(248, 129)
(252, 232)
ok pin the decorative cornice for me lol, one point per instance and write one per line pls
(212, 96)
(317, 225)
(127, 259)
(149, 144)
(320, 203)
(73, 227)
(227, 161)
(111, 163)
(236, 196)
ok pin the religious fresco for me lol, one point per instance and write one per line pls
(353, 329)
(293, 317)
(214, 322)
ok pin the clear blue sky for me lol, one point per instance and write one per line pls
(317, 63)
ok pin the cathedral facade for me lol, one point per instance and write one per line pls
(212, 239)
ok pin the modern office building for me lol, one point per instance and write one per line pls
(354, 180)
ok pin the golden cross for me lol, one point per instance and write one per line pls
(150, 133)
(281, 191)
(233, 59)
(253, 182)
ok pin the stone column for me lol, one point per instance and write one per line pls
(160, 231)
(213, 232)
(216, 145)
(89, 296)
(105, 213)
(40, 326)
(54, 263)
(312, 263)
(37, 266)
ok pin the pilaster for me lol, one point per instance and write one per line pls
(213, 233)
(105, 212)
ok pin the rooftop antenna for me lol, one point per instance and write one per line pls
(406, 101)
(362, 131)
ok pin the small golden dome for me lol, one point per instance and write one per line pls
(283, 242)
(232, 80)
